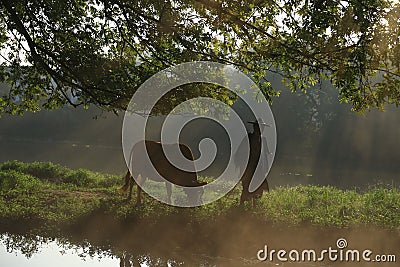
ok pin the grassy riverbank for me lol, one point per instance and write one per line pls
(49, 196)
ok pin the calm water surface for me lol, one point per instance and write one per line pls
(18, 251)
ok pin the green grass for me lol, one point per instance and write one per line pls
(329, 206)
(56, 174)
(51, 195)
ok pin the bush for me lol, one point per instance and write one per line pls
(57, 174)
(82, 177)
(11, 179)
(45, 171)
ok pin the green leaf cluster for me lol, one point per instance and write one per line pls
(90, 52)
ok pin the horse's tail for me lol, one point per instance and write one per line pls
(128, 177)
(125, 187)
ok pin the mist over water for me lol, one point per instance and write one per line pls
(71, 137)
(319, 140)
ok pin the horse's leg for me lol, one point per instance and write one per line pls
(139, 190)
(245, 189)
(266, 185)
(131, 183)
(139, 195)
(242, 197)
(124, 188)
(169, 192)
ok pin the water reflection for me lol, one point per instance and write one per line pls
(222, 249)
(32, 251)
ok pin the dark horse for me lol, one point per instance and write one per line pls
(163, 166)
(255, 141)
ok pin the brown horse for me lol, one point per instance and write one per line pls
(164, 167)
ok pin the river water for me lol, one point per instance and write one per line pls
(231, 243)
(48, 253)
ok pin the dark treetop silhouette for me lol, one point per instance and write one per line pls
(86, 52)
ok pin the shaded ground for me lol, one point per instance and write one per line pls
(84, 195)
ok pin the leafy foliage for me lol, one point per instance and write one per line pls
(10, 180)
(86, 52)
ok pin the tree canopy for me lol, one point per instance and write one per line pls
(83, 52)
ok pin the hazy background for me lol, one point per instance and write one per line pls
(319, 140)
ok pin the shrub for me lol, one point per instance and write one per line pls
(45, 171)
(81, 177)
(11, 179)
(55, 173)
